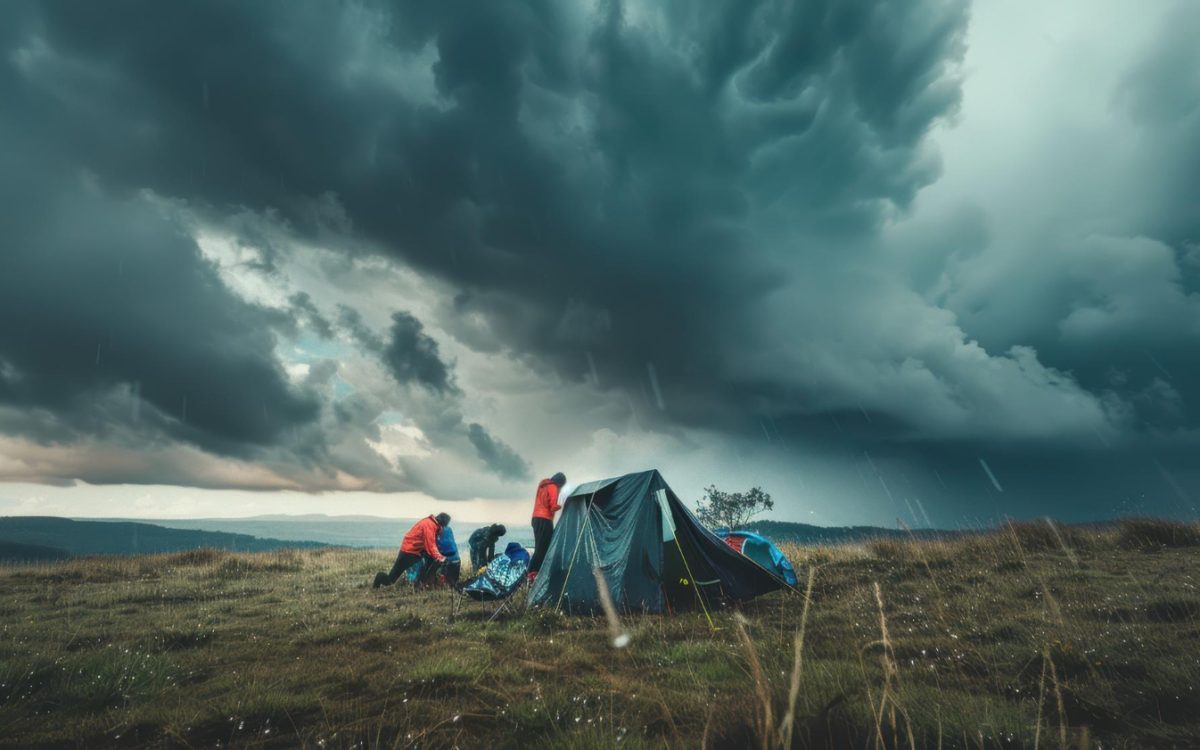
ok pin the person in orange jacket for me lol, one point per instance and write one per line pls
(420, 543)
(545, 505)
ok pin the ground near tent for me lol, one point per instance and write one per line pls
(993, 641)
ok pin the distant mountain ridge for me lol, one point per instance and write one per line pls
(87, 537)
(15, 552)
(804, 533)
(37, 538)
(342, 531)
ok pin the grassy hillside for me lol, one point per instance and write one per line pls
(1037, 636)
(126, 537)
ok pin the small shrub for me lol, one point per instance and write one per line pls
(1156, 533)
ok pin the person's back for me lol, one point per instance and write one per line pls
(545, 505)
(483, 544)
(419, 544)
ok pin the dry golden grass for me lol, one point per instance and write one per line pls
(1031, 636)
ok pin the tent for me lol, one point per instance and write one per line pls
(760, 550)
(654, 555)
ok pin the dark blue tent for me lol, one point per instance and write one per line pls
(762, 551)
(654, 555)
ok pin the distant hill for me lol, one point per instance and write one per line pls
(127, 537)
(14, 552)
(341, 531)
(347, 531)
(803, 533)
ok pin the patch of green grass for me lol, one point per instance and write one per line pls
(989, 637)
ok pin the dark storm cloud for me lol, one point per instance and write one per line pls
(109, 299)
(412, 357)
(499, 458)
(680, 201)
(634, 163)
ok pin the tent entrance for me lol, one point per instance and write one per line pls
(688, 580)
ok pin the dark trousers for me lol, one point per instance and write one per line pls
(481, 555)
(543, 529)
(404, 561)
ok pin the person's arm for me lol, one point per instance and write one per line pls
(431, 542)
(552, 490)
(490, 551)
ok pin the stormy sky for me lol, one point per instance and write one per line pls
(933, 261)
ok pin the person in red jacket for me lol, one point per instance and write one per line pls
(419, 543)
(545, 505)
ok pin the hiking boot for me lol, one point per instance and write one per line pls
(380, 580)
(531, 577)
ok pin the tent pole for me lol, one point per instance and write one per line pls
(692, 576)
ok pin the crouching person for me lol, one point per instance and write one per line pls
(452, 565)
(483, 544)
(420, 543)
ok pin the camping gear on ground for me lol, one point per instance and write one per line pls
(423, 572)
(517, 552)
(761, 550)
(653, 553)
(500, 579)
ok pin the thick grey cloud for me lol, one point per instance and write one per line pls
(108, 302)
(704, 211)
(412, 357)
(499, 457)
(629, 161)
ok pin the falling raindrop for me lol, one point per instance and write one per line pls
(654, 384)
(592, 369)
(864, 413)
(775, 429)
(991, 476)
(1157, 364)
(1170, 479)
(921, 507)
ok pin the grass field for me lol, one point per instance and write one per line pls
(1035, 636)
